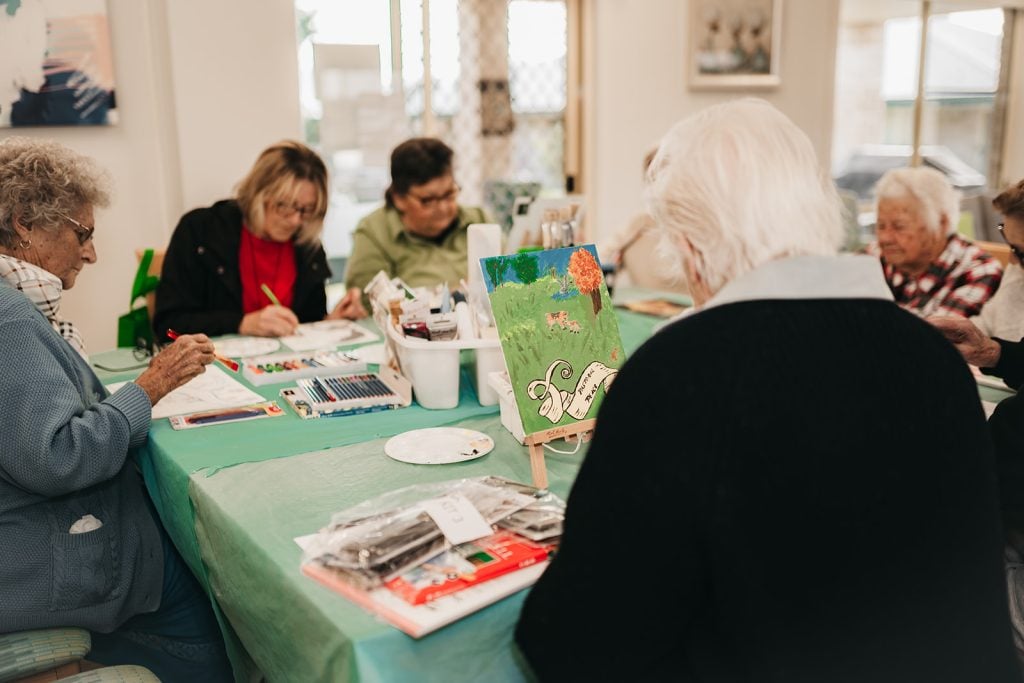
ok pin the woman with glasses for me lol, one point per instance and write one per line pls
(419, 234)
(254, 264)
(79, 544)
(930, 269)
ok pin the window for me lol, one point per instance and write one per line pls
(496, 93)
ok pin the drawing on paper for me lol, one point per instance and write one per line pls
(558, 332)
(56, 65)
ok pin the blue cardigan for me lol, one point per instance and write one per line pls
(64, 454)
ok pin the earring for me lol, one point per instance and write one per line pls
(25, 244)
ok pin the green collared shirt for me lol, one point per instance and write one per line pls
(381, 242)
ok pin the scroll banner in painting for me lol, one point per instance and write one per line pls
(556, 403)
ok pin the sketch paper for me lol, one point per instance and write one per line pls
(209, 391)
(327, 334)
(558, 332)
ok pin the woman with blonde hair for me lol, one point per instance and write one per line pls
(254, 264)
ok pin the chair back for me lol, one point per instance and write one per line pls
(999, 250)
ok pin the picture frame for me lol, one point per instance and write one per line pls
(735, 44)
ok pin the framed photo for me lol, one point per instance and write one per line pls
(735, 43)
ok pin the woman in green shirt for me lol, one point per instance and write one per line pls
(419, 234)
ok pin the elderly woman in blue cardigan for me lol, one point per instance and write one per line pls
(79, 544)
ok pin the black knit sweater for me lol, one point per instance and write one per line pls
(797, 490)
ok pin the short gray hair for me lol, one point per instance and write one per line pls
(741, 182)
(40, 180)
(932, 190)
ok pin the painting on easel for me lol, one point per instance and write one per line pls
(558, 332)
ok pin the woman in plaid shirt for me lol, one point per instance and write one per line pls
(929, 268)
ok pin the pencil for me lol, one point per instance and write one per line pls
(270, 294)
(227, 362)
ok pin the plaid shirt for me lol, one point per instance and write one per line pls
(44, 289)
(958, 282)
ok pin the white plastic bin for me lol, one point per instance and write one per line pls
(510, 419)
(433, 367)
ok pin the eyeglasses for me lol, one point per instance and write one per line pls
(1014, 250)
(432, 201)
(287, 210)
(83, 232)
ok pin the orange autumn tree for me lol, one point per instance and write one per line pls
(587, 274)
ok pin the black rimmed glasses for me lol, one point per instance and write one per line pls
(287, 210)
(1013, 249)
(430, 202)
(83, 232)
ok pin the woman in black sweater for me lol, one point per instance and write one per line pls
(793, 484)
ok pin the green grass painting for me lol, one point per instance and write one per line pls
(558, 332)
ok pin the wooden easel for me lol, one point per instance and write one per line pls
(536, 442)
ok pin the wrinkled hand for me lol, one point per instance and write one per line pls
(272, 321)
(973, 345)
(187, 357)
(350, 306)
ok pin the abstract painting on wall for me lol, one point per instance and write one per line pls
(559, 334)
(56, 65)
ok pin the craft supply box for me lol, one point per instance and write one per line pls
(433, 367)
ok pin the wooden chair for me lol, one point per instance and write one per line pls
(999, 250)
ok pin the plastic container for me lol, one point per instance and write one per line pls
(509, 410)
(433, 367)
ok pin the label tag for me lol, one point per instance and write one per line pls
(458, 519)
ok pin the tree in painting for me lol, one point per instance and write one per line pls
(526, 268)
(587, 274)
(496, 268)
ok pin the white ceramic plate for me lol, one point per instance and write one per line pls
(438, 446)
(243, 347)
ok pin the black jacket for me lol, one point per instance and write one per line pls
(200, 287)
(791, 490)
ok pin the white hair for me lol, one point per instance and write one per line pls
(932, 190)
(741, 182)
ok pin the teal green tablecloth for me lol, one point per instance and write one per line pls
(236, 485)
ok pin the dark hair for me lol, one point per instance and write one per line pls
(1011, 201)
(415, 162)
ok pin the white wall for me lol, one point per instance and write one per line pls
(202, 87)
(635, 74)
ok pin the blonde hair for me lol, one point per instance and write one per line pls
(42, 181)
(742, 184)
(930, 188)
(275, 177)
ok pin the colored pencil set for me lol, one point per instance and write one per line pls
(348, 391)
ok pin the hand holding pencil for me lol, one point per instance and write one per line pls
(187, 357)
(272, 321)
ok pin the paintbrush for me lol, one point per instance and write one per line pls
(226, 362)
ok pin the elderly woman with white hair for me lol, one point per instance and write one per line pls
(930, 269)
(760, 500)
(79, 542)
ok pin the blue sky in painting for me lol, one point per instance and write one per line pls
(559, 258)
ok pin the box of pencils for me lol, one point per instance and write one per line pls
(280, 368)
(329, 395)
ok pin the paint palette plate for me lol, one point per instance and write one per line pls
(243, 347)
(438, 446)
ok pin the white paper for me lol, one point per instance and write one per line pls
(458, 519)
(244, 347)
(209, 391)
(327, 334)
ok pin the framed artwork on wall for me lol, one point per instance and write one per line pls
(735, 44)
(56, 64)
